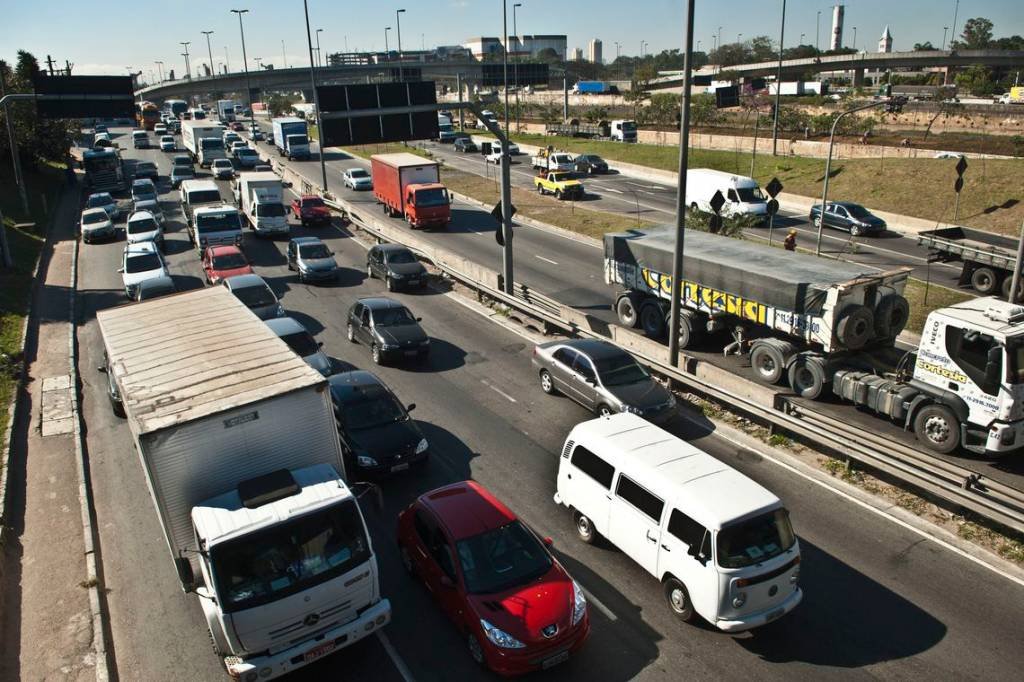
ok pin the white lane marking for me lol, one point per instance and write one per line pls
(546, 260)
(636, 184)
(609, 189)
(403, 669)
(609, 614)
(499, 391)
(880, 512)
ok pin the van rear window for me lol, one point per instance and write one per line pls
(593, 466)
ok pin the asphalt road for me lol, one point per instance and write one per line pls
(571, 272)
(880, 600)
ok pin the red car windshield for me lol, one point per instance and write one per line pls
(229, 261)
(502, 558)
(312, 203)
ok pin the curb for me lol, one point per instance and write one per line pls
(90, 536)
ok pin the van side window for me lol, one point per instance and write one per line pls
(733, 196)
(639, 497)
(686, 529)
(593, 466)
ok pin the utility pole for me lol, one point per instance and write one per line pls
(398, 26)
(316, 100)
(778, 83)
(506, 174)
(245, 65)
(515, 30)
(188, 68)
(387, 50)
(319, 59)
(19, 179)
(209, 50)
(817, 32)
(565, 99)
(944, 30)
(458, 85)
(684, 138)
(284, 57)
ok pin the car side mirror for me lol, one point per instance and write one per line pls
(120, 270)
(549, 542)
(102, 369)
(419, 319)
(185, 574)
(447, 582)
(410, 407)
(319, 344)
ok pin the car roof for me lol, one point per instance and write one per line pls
(306, 240)
(140, 215)
(223, 249)
(244, 281)
(392, 248)
(846, 204)
(345, 384)
(283, 326)
(594, 348)
(379, 302)
(138, 248)
(100, 195)
(467, 509)
(96, 210)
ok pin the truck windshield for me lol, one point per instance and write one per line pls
(211, 143)
(204, 196)
(629, 127)
(270, 210)
(444, 127)
(101, 163)
(279, 561)
(431, 197)
(750, 195)
(217, 222)
(298, 139)
(755, 540)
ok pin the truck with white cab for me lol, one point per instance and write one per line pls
(241, 457)
(261, 198)
(203, 141)
(226, 110)
(291, 137)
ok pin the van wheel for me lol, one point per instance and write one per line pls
(547, 384)
(678, 598)
(585, 529)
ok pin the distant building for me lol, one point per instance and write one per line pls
(837, 27)
(885, 43)
(594, 51)
(577, 54)
(486, 47)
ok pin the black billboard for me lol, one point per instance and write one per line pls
(338, 132)
(85, 96)
(530, 73)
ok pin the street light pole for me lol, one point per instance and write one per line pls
(160, 70)
(855, 38)
(398, 29)
(956, 11)
(387, 50)
(319, 58)
(506, 174)
(684, 135)
(316, 101)
(515, 30)
(258, 64)
(817, 32)
(227, 64)
(188, 69)
(284, 55)
(944, 29)
(245, 65)
(209, 50)
(778, 83)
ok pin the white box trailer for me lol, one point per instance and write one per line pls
(236, 436)
(203, 140)
(226, 110)
(261, 198)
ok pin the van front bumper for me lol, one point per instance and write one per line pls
(756, 620)
(271, 666)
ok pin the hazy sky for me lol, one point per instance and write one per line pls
(105, 36)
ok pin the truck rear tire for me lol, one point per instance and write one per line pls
(891, 316)
(937, 427)
(768, 363)
(652, 320)
(689, 327)
(807, 376)
(856, 327)
(1005, 288)
(625, 309)
(985, 281)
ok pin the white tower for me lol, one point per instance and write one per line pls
(594, 49)
(837, 27)
(885, 43)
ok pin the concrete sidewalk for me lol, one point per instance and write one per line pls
(47, 619)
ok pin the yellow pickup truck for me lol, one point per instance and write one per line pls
(559, 183)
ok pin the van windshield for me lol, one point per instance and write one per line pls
(203, 196)
(275, 562)
(755, 540)
(750, 195)
(218, 222)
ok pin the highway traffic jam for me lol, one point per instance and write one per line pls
(410, 487)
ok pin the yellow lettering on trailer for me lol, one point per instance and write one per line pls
(707, 298)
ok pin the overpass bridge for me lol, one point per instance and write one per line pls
(859, 62)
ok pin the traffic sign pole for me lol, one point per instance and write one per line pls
(958, 185)
(773, 188)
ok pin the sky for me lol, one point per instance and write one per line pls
(106, 36)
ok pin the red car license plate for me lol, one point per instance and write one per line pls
(555, 660)
(318, 652)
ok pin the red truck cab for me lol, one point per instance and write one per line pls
(409, 186)
(311, 209)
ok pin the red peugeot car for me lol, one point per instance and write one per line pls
(221, 262)
(513, 602)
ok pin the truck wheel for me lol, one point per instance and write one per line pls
(652, 320)
(985, 281)
(558, 194)
(937, 427)
(856, 327)
(625, 309)
(891, 316)
(768, 363)
(807, 377)
(688, 327)
(1005, 288)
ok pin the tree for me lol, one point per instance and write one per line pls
(977, 34)
(703, 111)
(38, 139)
(731, 54)
(947, 108)
(548, 54)
(800, 52)
(977, 79)
(926, 46)
(595, 114)
(761, 49)
(280, 105)
(664, 108)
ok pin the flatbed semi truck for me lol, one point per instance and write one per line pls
(988, 258)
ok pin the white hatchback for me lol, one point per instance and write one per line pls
(140, 262)
(142, 226)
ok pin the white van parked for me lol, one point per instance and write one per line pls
(721, 545)
(742, 195)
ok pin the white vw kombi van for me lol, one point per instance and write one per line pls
(721, 545)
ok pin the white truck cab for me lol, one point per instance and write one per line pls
(216, 225)
(721, 545)
(742, 195)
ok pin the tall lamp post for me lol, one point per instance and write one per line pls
(258, 61)
(188, 69)
(778, 83)
(515, 31)
(245, 65)
(506, 179)
(398, 28)
(316, 102)
(209, 50)
(855, 38)
(944, 29)
(160, 70)
(387, 50)
(227, 64)
(956, 11)
(817, 32)
(319, 57)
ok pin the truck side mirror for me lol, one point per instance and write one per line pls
(185, 574)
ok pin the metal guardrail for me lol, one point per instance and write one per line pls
(943, 480)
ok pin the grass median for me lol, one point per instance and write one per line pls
(25, 237)
(992, 198)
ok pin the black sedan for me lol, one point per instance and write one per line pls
(590, 164)
(465, 145)
(396, 265)
(147, 169)
(388, 328)
(376, 433)
(845, 215)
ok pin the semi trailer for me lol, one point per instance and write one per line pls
(988, 258)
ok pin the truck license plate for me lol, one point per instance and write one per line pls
(318, 652)
(555, 660)
(400, 467)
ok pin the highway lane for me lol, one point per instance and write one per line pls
(880, 600)
(571, 272)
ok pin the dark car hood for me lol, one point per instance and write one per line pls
(643, 394)
(385, 442)
(402, 334)
(406, 268)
